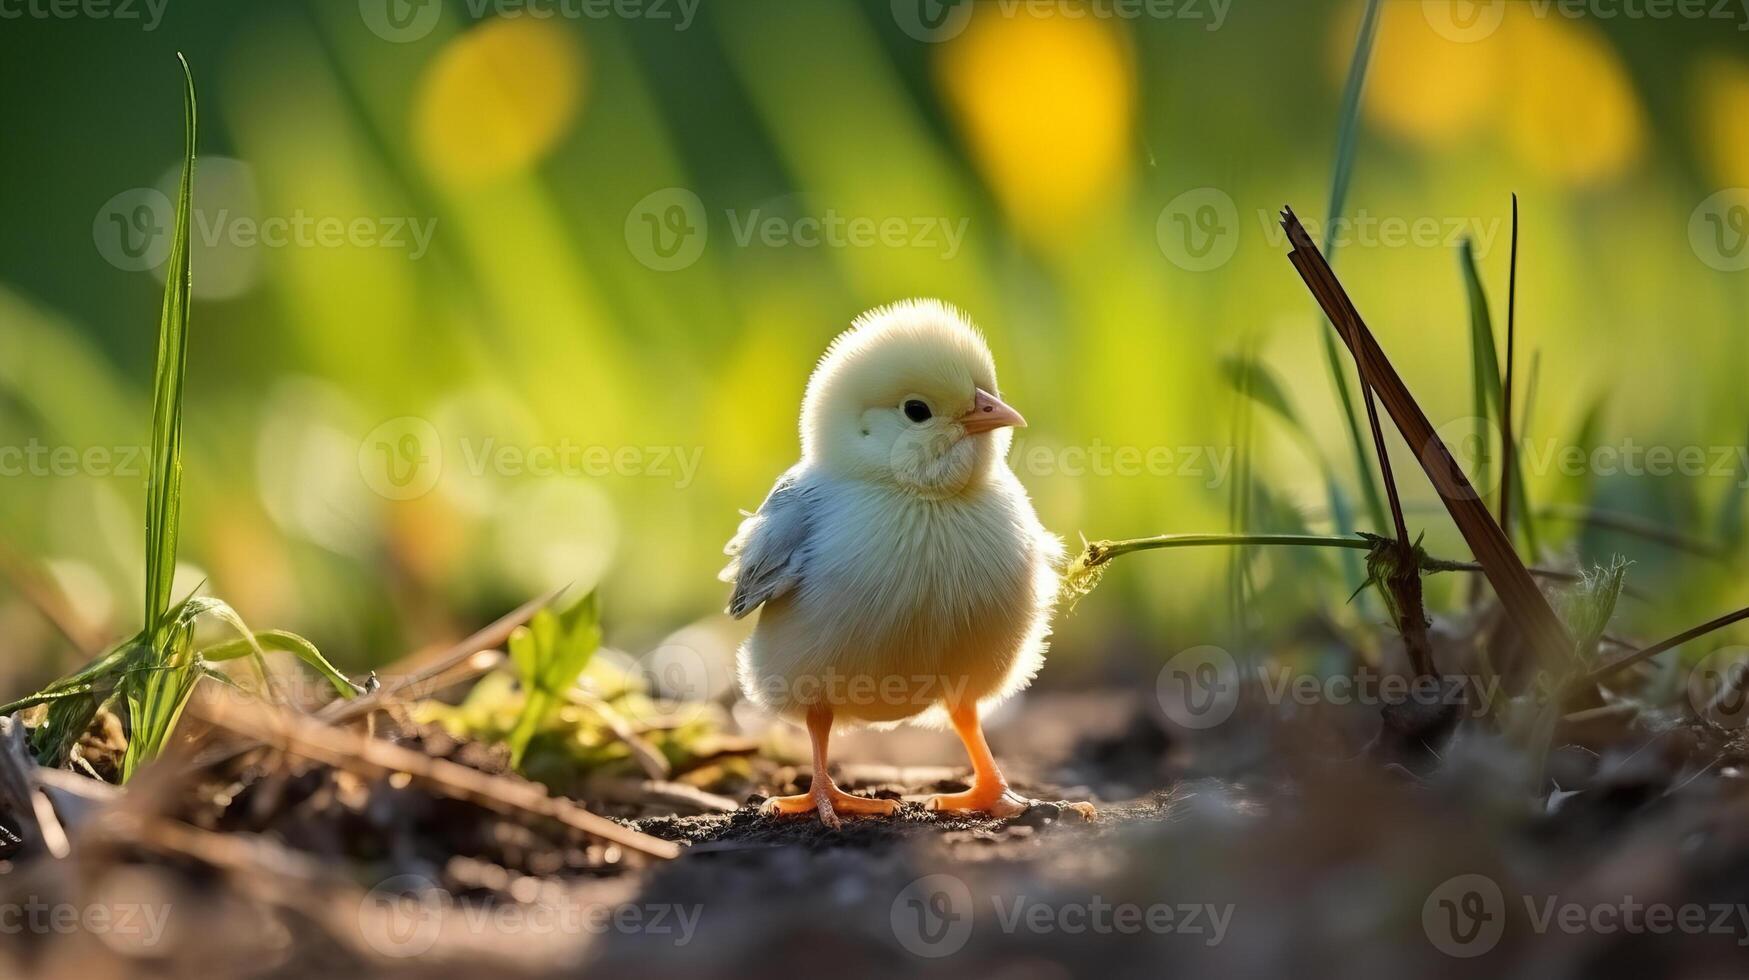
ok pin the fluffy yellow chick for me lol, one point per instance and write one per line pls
(903, 571)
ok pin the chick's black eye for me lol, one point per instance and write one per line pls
(916, 411)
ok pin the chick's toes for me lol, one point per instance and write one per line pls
(829, 801)
(999, 802)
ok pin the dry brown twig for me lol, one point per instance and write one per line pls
(1524, 603)
(414, 673)
(513, 798)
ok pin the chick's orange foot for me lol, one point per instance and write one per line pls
(829, 802)
(1001, 803)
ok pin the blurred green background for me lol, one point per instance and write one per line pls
(489, 302)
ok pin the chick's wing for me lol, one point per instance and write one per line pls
(766, 552)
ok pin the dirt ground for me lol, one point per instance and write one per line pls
(1276, 848)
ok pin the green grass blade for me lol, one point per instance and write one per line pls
(1252, 379)
(156, 696)
(1577, 487)
(164, 484)
(1340, 177)
(156, 690)
(283, 641)
(1488, 395)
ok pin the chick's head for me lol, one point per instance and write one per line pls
(907, 397)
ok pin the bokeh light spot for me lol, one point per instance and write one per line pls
(1047, 105)
(497, 99)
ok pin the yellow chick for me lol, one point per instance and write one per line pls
(903, 571)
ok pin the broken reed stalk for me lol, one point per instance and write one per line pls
(1524, 603)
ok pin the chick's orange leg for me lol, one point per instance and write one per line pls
(823, 796)
(989, 793)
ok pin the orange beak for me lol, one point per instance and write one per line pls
(989, 412)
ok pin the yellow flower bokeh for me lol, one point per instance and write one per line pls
(1046, 103)
(1573, 113)
(1420, 86)
(1721, 91)
(1550, 86)
(496, 99)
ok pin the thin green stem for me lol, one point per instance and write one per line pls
(1673, 642)
(1098, 553)
(1340, 178)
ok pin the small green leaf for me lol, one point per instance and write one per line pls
(283, 641)
(548, 655)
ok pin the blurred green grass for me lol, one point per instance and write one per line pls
(531, 322)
